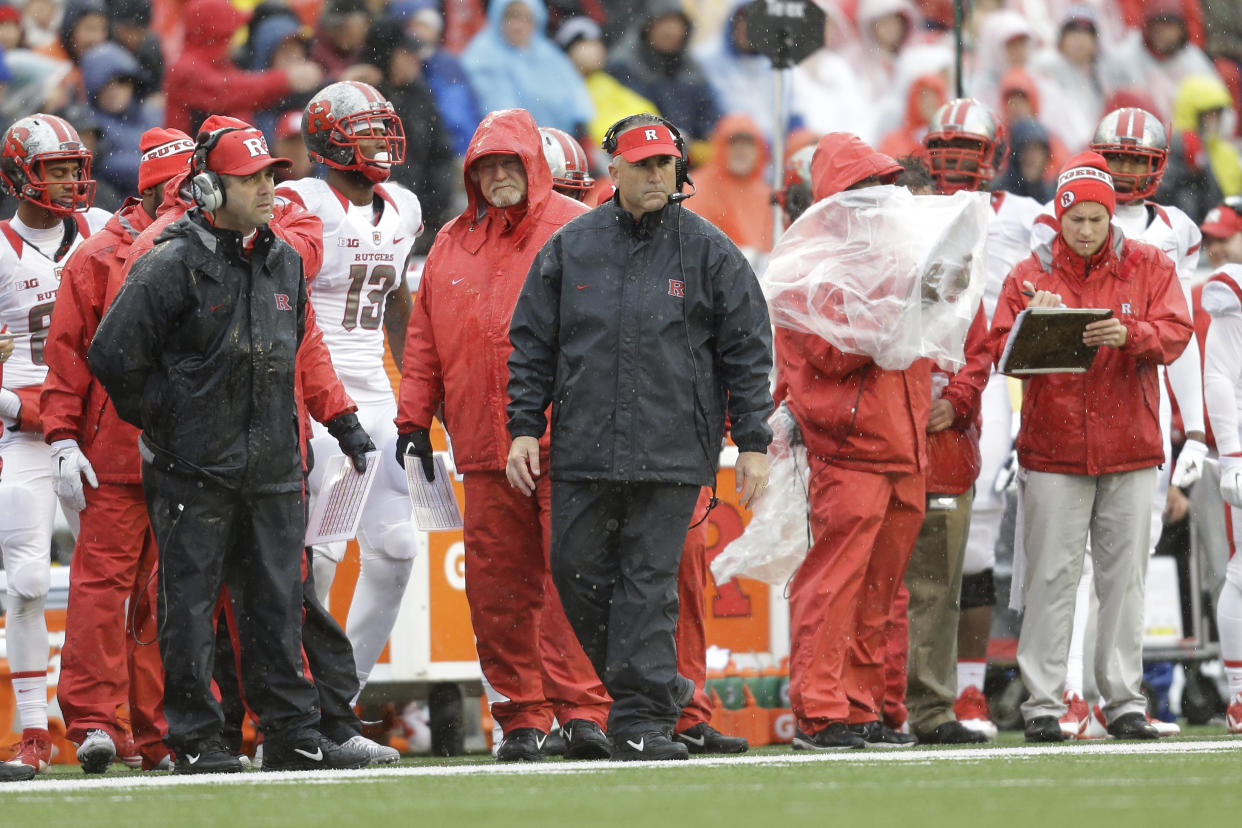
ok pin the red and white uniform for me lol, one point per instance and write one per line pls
(1222, 396)
(29, 280)
(364, 260)
(1009, 242)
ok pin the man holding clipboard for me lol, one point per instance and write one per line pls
(1089, 445)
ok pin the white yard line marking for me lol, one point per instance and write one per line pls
(120, 782)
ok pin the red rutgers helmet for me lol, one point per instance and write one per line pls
(32, 143)
(571, 173)
(1138, 137)
(342, 114)
(965, 144)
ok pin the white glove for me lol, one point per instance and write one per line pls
(1189, 466)
(1231, 480)
(69, 466)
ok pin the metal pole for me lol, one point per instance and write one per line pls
(778, 147)
(959, 46)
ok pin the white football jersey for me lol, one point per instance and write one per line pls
(29, 280)
(1222, 356)
(1009, 241)
(363, 262)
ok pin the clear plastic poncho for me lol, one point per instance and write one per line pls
(883, 273)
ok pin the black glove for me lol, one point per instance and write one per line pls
(352, 439)
(417, 443)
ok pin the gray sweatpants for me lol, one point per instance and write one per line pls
(1060, 512)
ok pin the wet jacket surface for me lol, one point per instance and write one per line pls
(641, 334)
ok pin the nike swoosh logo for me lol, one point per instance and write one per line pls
(215, 308)
(193, 758)
(583, 287)
(398, 240)
(539, 740)
(317, 756)
(639, 746)
(694, 740)
(569, 735)
(28, 689)
(462, 279)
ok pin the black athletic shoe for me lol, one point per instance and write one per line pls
(522, 745)
(879, 735)
(1132, 726)
(952, 733)
(1044, 729)
(210, 755)
(556, 743)
(703, 738)
(585, 740)
(683, 691)
(310, 750)
(836, 736)
(16, 772)
(652, 746)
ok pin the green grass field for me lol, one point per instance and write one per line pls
(1194, 781)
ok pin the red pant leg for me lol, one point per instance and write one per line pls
(691, 620)
(112, 563)
(569, 680)
(896, 654)
(507, 579)
(865, 675)
(146, 671)
(848, 510)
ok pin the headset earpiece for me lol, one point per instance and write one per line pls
(206, 186)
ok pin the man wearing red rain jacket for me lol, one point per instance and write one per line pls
(103, 664)
(456, 355)
(866, 436)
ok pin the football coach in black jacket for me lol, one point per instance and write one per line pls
(200, 350)
(640, 323)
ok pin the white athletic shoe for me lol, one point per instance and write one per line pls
(1165, 728)
(1233, 716)
(1096, 727)
(380, 754)
(96, 752)
(1074, 722)
(971, 711)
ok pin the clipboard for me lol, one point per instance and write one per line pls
(433, 504)
(1049, 341)
(338, 509)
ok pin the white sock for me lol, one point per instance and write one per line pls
(1229, 622)
(373, 612)
(27, 643)
(970, 674)
(1078, 636)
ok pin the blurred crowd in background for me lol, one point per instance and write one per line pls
(1049, 68)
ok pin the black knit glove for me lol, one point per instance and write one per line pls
(418, 444)
(352, 439)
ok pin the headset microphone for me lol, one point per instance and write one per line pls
(678, 197)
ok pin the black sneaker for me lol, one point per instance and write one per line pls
(703, 738)
(1044, 729)
(952, 733)
(651, 746)
(522, 745)
(683, 691)
(879, 735)
(310, 750)
(1132, 726)
(585, 740)
(16, 772)
(209, 755)
(556, 743)
(836, 736)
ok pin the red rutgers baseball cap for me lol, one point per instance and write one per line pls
(641, 142)
(1221, 222)
(240, 151)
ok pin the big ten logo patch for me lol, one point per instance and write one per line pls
(346, 242)
(677, 288)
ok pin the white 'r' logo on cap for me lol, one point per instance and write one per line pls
(256, 146)
(651, 135)
(1067, 198)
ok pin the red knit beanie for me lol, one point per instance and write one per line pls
(165, 152)
(1085, 177)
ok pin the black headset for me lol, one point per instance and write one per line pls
(609, 145)
(206, 185)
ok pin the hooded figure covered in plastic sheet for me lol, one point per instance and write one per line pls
(879, 271)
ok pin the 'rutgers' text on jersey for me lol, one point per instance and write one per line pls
(362, 264)
(29, 280)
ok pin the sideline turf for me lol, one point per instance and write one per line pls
(949, 787)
